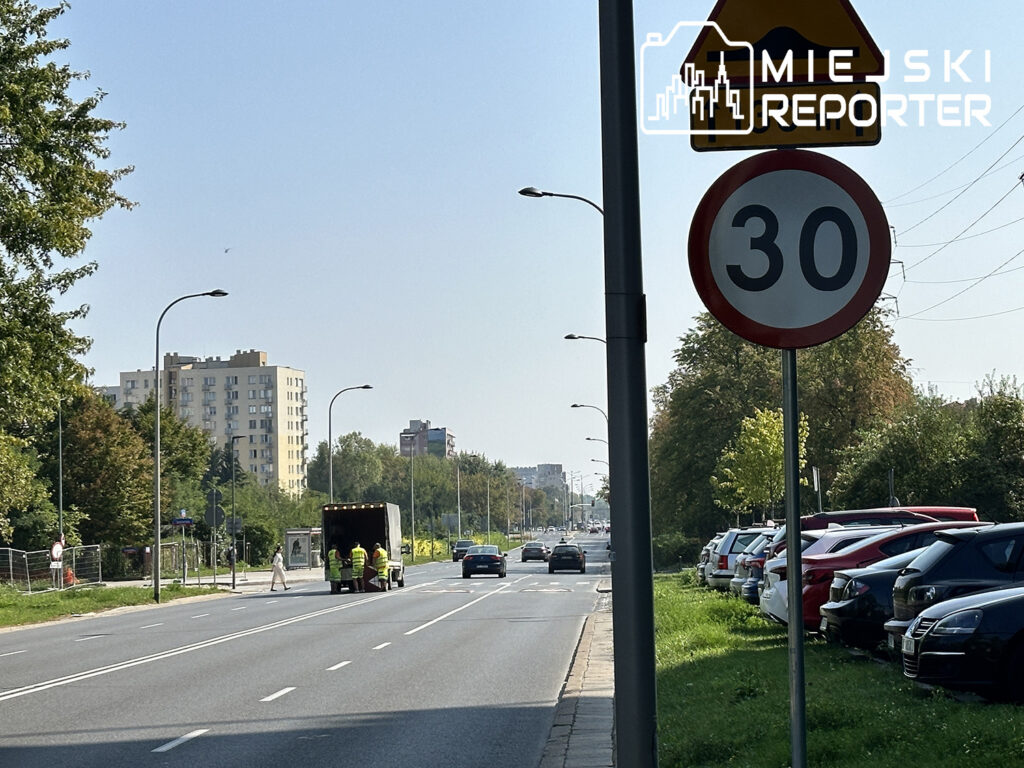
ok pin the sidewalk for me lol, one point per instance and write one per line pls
(583, 734)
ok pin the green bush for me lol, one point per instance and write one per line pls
(673, 549)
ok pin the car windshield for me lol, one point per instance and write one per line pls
(483, 549)
(533, 545)
(464, 543)
(566, 548)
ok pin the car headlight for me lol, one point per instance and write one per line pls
(959, 623)
(929, 594)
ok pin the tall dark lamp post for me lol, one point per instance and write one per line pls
(330, 448)
(218, 293)
(412, 494)
(234, 522)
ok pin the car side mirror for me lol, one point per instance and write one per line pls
(584, 551)
(406, 549)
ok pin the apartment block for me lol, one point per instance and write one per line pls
(259, 408)
(420, 439)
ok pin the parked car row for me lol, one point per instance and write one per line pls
(945, 596)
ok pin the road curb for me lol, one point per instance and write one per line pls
(582, 733)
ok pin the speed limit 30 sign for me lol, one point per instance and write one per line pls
(789, 249)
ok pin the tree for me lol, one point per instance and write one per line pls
(750, 473)
(846, 387)
(20, 490)
(108, 474)
(52, 184)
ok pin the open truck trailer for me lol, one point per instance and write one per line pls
(369, 523)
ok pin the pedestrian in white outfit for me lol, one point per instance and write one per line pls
(278, 563)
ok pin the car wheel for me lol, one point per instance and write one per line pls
(523, 560)
(501, 575)
(465, 575)
(551, 570)
(455, 559)
(1011, 687)
(583, 569)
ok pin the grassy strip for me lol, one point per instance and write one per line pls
(723, 698)
(17, 609)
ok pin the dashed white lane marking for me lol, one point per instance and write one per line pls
(240, 608)
(13, 653)
(200, 615)
(177, 742)
(338, 666)
(279, 694)
(150, 626)
(89, 637)
(382, 645)
(272, 601)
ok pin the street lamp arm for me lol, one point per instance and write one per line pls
(330, 448)
(574, 336)
(534, 192)
(584, 405)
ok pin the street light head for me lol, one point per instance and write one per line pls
(576, 405)
(366, 386)
(532, 192)
(571, 336)
(217, 293)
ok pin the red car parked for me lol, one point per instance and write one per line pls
(817, 570)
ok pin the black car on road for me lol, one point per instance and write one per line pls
(459, 550)
(483, 558)
(535, 550)
(567, 557)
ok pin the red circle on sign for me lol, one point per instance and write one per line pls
(847, 314)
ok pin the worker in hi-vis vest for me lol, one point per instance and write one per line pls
(380, 562)
(334, 565)
(358, 564)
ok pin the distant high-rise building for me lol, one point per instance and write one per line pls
(420, 439)
(241, 397)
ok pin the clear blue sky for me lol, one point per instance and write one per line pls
(361, 162)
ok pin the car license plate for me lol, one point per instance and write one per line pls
(908, 645)
(824, 624)
(891, 640)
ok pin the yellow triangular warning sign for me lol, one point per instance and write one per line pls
(796, 36)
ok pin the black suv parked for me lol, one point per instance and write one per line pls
(961, 562)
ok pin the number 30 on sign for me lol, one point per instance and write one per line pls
(789, 249)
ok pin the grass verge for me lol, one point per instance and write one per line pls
(17, 609)
(723, 698)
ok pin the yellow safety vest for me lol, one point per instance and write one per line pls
(334, 561)
(358, 561)
(380, 561)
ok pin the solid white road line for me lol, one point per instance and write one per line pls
(187, 737)
(338, 666)
(12, 653)
(280, 693)
(471, 602)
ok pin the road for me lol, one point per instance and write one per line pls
(446, 671)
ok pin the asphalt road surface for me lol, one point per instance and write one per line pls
(446, 671)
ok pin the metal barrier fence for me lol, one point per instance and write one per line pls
(35, 572)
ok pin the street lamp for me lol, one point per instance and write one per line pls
(597, 440)
(234, 523)
(534, 192)
(330, 447)
(412, 494)
(575, 336)
(601, 461)
(217, 293)
(584, 405)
